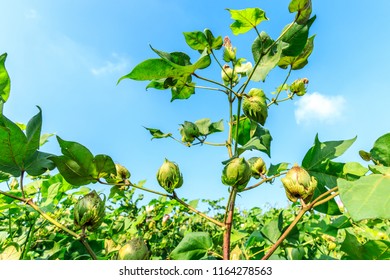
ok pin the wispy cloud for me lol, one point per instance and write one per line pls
(116, 64)
(316, 107)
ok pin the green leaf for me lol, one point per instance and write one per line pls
(317, 162)
(203, 126)
(273, 229)
(324, 151)
(194, 246)
(196, 40)
(354, 170)
(214, 43)
(371, 250)
(246, 19)
(304, 9)
(33, 133)
(105, 166)
(295, 39)
(216, 126)
(244, 130)
(13, 144)
(79, 167)
(5, 82)
(367, 197)
(277, 169)
(79, 154)
(44, 138)
(152, 69)
(381, 150)
(11, 253)
(299, 61)
(39, 163)
(72, 172)
(157, 133)
(263, 49)
(379, 169)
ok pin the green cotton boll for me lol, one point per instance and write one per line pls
(255, 108)
(169, 176)
(258, 167)
(135, 249)
(89, 211)
(299, 184)
(236, 173)
(189, 131)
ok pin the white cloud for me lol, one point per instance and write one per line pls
(115, 64)
(316, 107)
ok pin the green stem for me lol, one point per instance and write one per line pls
(89, 249)
(27, 244)
(218, 223)
(275, 100)
(243, 87)
(237, 124)
(230, 133)
(214, 82)
(21, 183)
(264, 180)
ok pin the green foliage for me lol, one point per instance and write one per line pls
(47, 217)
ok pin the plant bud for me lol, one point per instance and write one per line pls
(229, 53)
(236, 173)
(89, 211)
(255, 106)
(122, 172)
(228, 75)
(169, 176)
(258, 167)
(189, 131)
(298, 184)
(135, 249)
(298, 87)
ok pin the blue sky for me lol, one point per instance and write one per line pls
(66, 57)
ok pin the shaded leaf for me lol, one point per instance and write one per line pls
(194, 246)
(381, 150)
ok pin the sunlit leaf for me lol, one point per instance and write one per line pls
(246, 19)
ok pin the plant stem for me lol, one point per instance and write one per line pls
(264, 180)
(275, 100)
(214, 82)
(218, 223)
(21, 183)
(53, 221)
(230, 138)
(228, 224)
(304, 208)
(27, 245)
(89, 249)
(237, 124)
(285, 233)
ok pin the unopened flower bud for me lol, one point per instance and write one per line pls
(169, 176)
(236, 173)
(298, 87)
(228, 75)
(258, 167)
(189, 131)
(89, 211)
(135, 249)
(229, 53)
(298, 184)
(255, 107)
